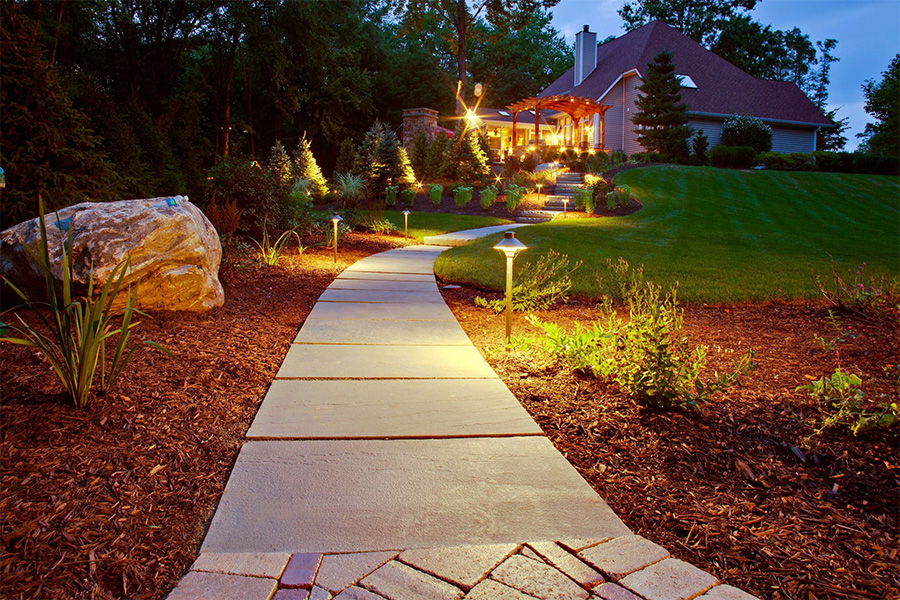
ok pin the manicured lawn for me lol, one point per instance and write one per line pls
(723, 235)
(422, 224)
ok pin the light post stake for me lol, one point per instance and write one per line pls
(405, 222)
(565, 207)
(510, 246)
(539, 186)
(336, 219)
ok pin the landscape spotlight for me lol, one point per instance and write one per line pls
(509, 246)
(336, 218)
(406, 222)
(565, 205)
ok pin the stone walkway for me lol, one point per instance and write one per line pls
(388, 461)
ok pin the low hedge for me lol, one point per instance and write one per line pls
(732, 157)
(831, 162)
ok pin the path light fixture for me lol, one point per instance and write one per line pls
(565, 207)
(509, 246)
(406, 222)
(336, 218)
(539, 186)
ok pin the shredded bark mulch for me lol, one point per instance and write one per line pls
(733, 488)
(113, 501)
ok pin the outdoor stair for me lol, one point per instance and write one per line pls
(561, 200)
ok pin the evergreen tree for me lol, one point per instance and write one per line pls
(832, 139)
(279, 164)
(466, 157)
(418, 155)
(382, 161)
(47, 145)
(346, 156)
(436, 160)
(662, 117)
(699, 148)
(305, 167)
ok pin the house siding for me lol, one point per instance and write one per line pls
(618, 131)
(793, 139)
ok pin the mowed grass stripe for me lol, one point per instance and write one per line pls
(724, 235)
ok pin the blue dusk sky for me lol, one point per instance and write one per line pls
(867, 31)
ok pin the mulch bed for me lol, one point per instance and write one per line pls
(732, 488)
(113, 501)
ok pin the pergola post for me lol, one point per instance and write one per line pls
(514, 138)
(602, 123)
(537, 125)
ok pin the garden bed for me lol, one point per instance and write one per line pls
(113, 501)
(732, 488)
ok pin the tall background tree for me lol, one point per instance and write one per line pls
(662, 116)
(883, 103)
(454, 18)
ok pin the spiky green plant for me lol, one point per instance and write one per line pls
(77, 328)
(270, 253)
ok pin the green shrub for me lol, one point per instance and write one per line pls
(841, 396)
(743, 130)
(418, 154)
(778, 161)
(732, 157)
(700, 149)
(579, 194)
(623, 195)
(269, 254)
(514, 196)
(874, 164)
(540, 285)
(436, 158)
(390, 195)
(617, 159)
(462, 195)
(611, 201)
(382, 226)
(529, 162)
(408, 197)
(257, 192)
(434, 193)
(647, 354)
(596, 163)
(646, 157)
(75, 332)
(298, 207)
(487, 197)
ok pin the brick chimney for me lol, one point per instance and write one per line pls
(585, 54)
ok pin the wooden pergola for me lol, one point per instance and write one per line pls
(576, 107)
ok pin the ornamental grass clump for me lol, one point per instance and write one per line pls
(269, 253)
(75, 333)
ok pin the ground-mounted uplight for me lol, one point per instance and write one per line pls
(336, 218)
(405, 222)
(509, 246)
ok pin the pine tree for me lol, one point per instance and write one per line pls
(306, 167)
(381, 160)
(466, 156)
(346, 156)
(418, 155)
(436, 159)
(279, 164)
(662, 116)
(699, 148)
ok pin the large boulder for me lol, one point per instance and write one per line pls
(175, 251)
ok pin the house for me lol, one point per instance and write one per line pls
(713, 89)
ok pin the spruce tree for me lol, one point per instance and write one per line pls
(306, 167)
(467, 157)
(382, 161)
(418, 155)
(436, 159)
(346, 156)
(662, 116)
(279, 164)
(699, 148)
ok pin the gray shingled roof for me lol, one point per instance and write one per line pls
(722, 88)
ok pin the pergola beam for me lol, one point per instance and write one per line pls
(575, 107)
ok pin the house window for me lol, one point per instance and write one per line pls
(686, 81)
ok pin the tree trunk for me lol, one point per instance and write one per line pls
(247, 68)
(462, 26)
(229, 75)
(59, 16)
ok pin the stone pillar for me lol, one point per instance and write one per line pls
(416, 120)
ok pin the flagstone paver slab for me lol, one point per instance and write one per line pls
(384, 285)
(339, 571)
(538, 579)
(458, 238)
(301, 571)
(348, 409)
(568, 564)
(382, 331)
(393, 265)
(401, 297)
(400, 582)
(318, 593)
(216, 586)
(670, 579)
(398, 277)
(412, 362)
(344, 496)
(358, 593)
(291, 594)
(494, 590)
(621, 556)
(614, 591)
(464, 565)
(362, 310)
(252, 564)
(726, 592)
